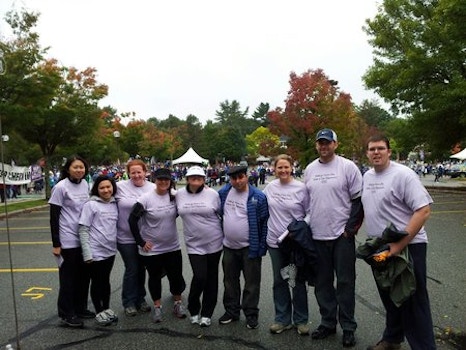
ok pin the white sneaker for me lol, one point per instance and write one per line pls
(179, 310)
(157, 314)
(111, 315)
(102, 319)
(194, 319)
(205, 322)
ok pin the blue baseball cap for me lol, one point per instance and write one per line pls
(326, 134)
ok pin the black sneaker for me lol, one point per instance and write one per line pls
(322, 332)
(227, 318)
(72, 321)
(252, 322)
(86, 314)
(348, 339)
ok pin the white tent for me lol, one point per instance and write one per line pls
(262, 159)
(460, 155)
(190, 157)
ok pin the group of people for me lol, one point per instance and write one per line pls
(317, 217)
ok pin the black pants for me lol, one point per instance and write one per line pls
(234, 262)
(100, 283)
(205, 283)
(413, 319)
(173, 265)
(74, 283)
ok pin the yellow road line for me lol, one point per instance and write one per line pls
(53, 269)
(25, 243)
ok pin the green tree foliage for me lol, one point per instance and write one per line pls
(262, 142)
(47, 104)
(234, 126)
(420, 66)
(373, 115)
(260, 114)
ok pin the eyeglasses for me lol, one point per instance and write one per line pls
(378, 149)
(236, 177)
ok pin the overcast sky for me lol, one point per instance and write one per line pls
(186, 57)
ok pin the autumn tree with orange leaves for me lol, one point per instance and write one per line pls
(314, 102)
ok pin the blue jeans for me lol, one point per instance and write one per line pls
(290, 306)
(413, 318)
(336, 258)
(134, 279)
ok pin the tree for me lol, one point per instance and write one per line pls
(419, 66)
(234, 127)
(49, 105)
(373, 115)
(314, 102)
(260, 114)
(262, 142)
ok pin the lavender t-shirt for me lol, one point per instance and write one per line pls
(158, 224)
(101, 218)
(235, 220)
(331, 188)
(126, 196)
(392, 196)
(201, 224)
(71, 198)
(287, 202)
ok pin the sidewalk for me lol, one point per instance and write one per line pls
(445, 183)
(25, 197)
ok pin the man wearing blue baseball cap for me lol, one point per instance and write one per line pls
(334, 184)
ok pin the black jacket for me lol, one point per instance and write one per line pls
(299, 249)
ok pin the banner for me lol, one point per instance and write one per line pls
(14, 175)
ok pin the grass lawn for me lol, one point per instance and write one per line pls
(13, 206)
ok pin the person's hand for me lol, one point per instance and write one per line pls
(396, 248)
(56, 251)
(348, 235)
(147, 247)
(88, 261)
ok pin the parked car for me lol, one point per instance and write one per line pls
(457, 170)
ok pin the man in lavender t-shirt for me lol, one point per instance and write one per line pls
(245, 214)
(334, 184)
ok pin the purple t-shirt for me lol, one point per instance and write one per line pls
(71, 198)
(235, 220)
(331, 188)
(101, 218)
(126, 196)
(158, 224)
(287, 202)
(392, 196)
(201, 225)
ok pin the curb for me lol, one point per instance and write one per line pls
(21, 211)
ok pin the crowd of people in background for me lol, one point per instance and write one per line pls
(307, 226)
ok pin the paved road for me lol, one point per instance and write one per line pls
(35, 282)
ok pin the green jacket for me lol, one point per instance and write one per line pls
(396, 274)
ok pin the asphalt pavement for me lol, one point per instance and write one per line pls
(29, 289)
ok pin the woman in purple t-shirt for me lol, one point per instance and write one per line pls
(66, 201)
(133, 291)
(98, 235)
(199, 206)
(153, 225)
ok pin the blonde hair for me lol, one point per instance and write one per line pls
(284, 157)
